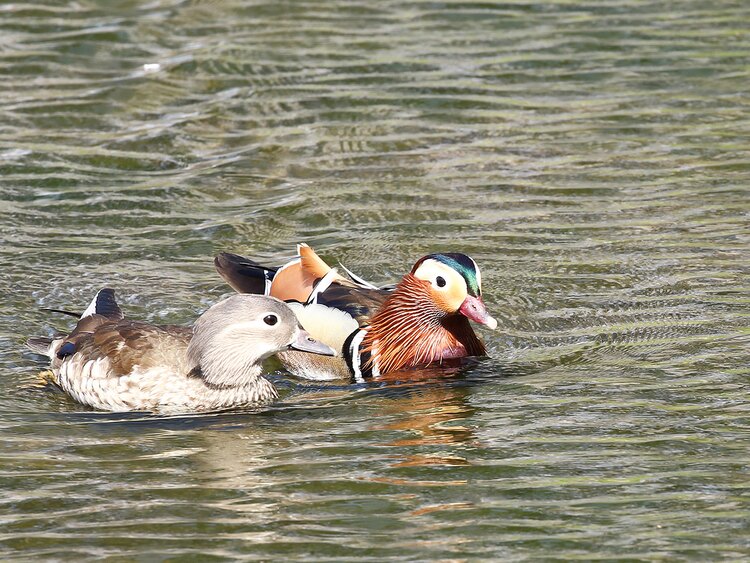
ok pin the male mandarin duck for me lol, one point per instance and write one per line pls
(421, 320)
(110, 363)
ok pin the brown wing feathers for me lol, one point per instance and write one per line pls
(102, 309)
(127, 344)
(296, 280)
(103, 333)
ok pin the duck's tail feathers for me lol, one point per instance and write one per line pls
(102, 308)
(62, 312)
(39, 345)
(244, 275)
(104, 304)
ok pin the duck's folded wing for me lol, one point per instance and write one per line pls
(123, 345)
(360, 303)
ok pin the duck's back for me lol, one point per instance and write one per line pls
(124, 365)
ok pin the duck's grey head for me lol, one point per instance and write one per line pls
(233, 337)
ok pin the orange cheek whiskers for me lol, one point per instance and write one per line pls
(412, 329)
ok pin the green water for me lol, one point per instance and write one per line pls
(594, 159)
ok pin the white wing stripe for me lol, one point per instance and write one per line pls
(91, 309)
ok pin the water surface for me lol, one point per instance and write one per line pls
(593, 158)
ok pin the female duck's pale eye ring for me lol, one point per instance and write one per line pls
(270, 320)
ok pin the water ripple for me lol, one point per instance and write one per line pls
(593, 159)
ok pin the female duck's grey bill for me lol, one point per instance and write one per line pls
(306, 343)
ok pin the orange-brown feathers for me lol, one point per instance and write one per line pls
(413, 329)
(296, 280)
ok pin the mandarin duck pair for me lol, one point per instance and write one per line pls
(320, 324)
(423, 319)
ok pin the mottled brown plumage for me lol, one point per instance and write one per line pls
(127, 344)
(111, 363)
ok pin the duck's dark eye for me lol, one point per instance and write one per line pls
(270, 320)
(440, 281)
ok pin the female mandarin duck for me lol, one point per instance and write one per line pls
(114, 364)
(423, 319)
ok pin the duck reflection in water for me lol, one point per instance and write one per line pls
(433, 408)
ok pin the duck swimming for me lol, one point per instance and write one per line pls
(110, 363)
(421, 320)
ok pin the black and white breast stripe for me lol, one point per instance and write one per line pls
(353, 356)
(356, 359)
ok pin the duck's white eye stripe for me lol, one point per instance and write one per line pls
(433, 272)
(479, 274)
